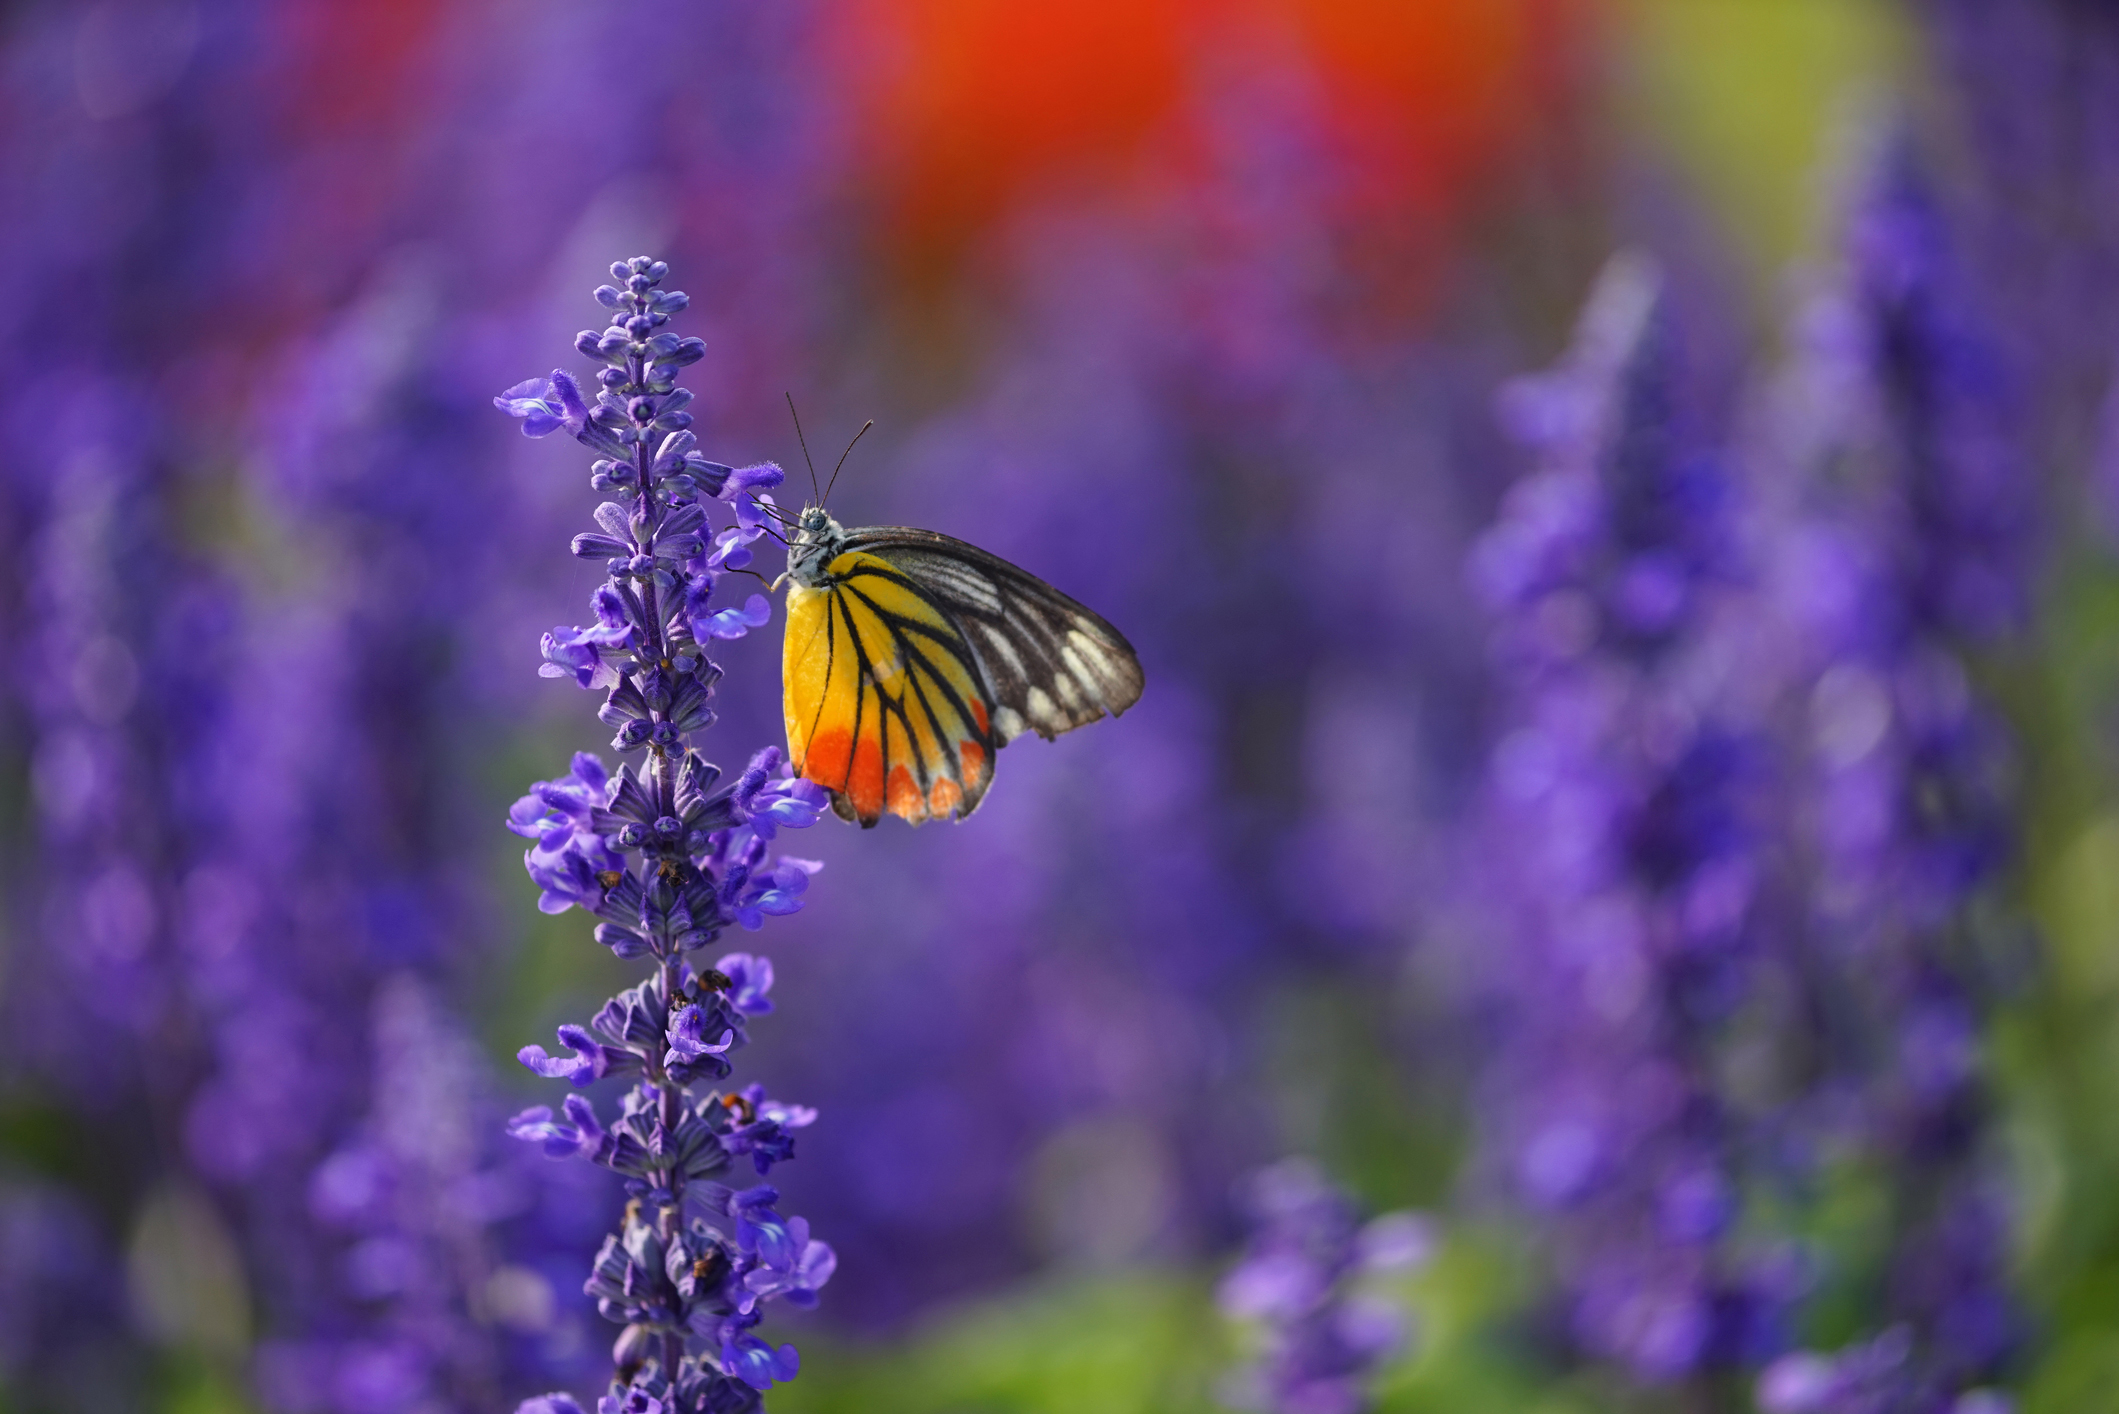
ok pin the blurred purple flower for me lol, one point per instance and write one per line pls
(1909, 542)
(1322, 1338)
(1627, 857)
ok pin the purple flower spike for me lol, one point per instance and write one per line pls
(1622, 801)
(1901, 389)
(665, 856)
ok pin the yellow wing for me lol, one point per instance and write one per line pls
(1048, 663)
(885, 703)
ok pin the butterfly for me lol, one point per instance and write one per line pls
(911, 659)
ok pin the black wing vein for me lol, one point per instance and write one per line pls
(1022, 632)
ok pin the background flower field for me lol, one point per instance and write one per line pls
(1618, 504)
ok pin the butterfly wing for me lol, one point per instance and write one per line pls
(884, 702)
(923, 656)
(1049, 664)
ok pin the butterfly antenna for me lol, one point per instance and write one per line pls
(775, 534)
(805, 444)
(843, 456)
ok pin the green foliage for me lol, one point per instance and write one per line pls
(1467, 1356)
(1153, 1343)
(1747, 100)
(2057, 1050)
(1146, 1343)
(187, 1384)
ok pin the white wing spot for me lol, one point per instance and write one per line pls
(1041, 707)
(1008, 723)
(1071, 690)
(1092, 651)
(998, 645)
(974, 588)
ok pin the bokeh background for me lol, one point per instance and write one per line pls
(1627, 766)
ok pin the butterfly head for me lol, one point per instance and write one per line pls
(818, 541)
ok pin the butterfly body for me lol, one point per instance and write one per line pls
(912, 658)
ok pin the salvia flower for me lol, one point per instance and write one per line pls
(537, 402)
(666, 854)
(1321, 1336)
(1909, 543)
(1629, 859)
(1877, 1376)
